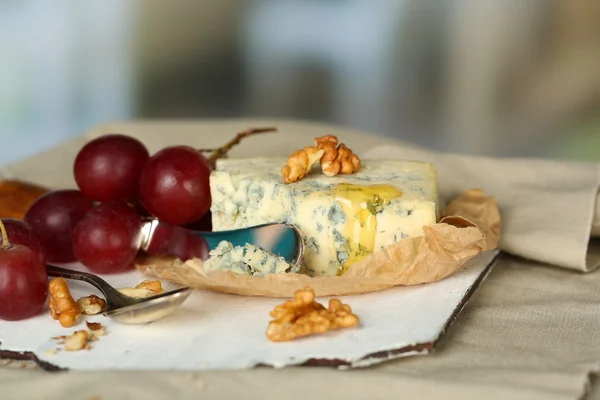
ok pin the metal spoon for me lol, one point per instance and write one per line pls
(125, 309)
(282, 239)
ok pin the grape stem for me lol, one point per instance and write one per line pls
(5, 242)
(223, 150)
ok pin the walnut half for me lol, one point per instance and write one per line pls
(336, 159)
(303, 316)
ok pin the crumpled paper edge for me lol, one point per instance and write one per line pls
(469, 225)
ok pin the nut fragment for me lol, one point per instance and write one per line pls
(76, 341)
(93, 326)
(140, 293)
(155, 286)
(303, 316)
(143, 290)
(62, 306)
(91, 305)
(95, 329)
(336, 159)
(300, 163)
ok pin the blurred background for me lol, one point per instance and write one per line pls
(510, 77)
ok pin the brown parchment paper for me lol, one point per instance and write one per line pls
(469, 224)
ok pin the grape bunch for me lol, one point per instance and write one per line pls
(100, 225)
(119, 184)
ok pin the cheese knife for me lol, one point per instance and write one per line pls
(283, 240)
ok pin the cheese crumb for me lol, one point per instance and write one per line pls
(245, 260)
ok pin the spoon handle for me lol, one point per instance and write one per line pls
(111, 294)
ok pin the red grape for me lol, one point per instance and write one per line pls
(188, 246)
(108, 168)
(23, 281)
(53, 218)
(107, 239)
(177, 241)
(203, 224)
(142, 212)
(174, 185)
(20, 233)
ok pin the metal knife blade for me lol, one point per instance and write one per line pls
(280, 239)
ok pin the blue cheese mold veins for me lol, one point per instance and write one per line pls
(245, 260)
(343, 218)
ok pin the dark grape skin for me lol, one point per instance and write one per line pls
(21, 233)
(177, 241)
(174, 185)
(107, 239)
(23, 283)
(108, 168)
(185, 247)
(53, 217)
(141, 210)
(204, 224)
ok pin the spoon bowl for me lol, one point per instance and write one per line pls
(151, 308)
(126, 309)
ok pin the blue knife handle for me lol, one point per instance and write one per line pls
(285, 244)
(237, 237)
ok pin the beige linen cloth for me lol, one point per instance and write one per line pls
(547, 207)
(531, 331)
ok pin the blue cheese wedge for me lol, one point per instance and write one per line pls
(342, 219)
(246, 260)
